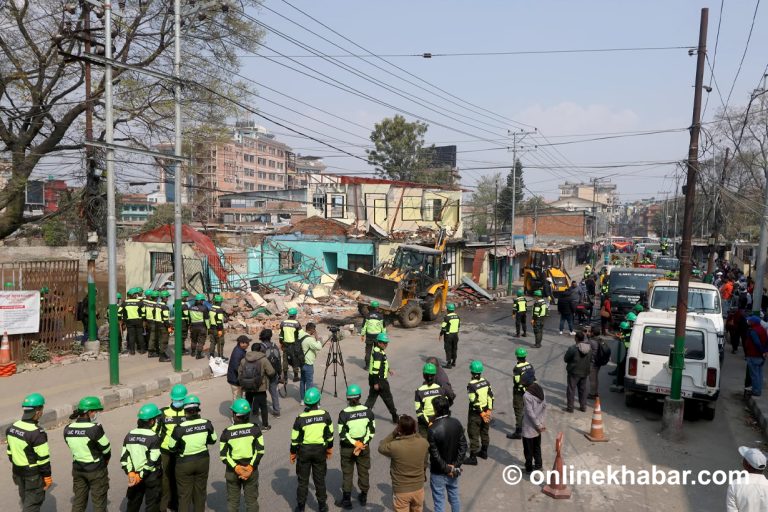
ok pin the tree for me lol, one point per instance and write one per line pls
(55, 233)
(481, 205)
(164, 214)
(400, 153)
(513, 189)
(42, 73)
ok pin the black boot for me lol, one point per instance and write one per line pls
(517, 434)
(346, 501)
(299, 508)
(199, 355)
(323, 507)
(471, 460)
(395, 418)
(363, 498)
(483, 453)
(296, 376)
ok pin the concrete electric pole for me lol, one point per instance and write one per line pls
(757, 293)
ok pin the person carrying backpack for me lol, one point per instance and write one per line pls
(253, 375)
(601, 355)
(273, 356)
(578, 359)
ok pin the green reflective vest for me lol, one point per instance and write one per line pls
(163, 314)
(168, 421)
(28, 449)
(133, 309)
(199, 314)
(185, 312)
(289, 330)
(89, 445)
(379, 364)
(626, 335)
(356, 423)
(374, 324)
(480, 395)
(149, 310)
(520, 304)
(216, 317)
(192, 437)
(312, 427)
(241, 443)
(540, 308)
(450, 324)
(423, 398)
(141, 452)
(517, 373)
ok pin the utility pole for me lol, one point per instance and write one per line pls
(517, 137)
(713, 241)
(495, 237)
(677, 185)
(672, 419)
(757, 293)
(178, 261)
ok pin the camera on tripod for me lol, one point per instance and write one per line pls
(333, 328)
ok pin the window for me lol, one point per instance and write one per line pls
(262, 187)
(318, 203)
(337, 206)
(355, 261)
(249, 158)
(262, 147)
(249, 186)
(289, 261)
(280, 152)
(262, 161)
(433, 209)
(280, 165)
(271, 151)
(272, 164)
(658, 340)
(272, 176)
(249, 172)
(262, 175)
(411, 209)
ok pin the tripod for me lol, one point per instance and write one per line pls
(336, 359)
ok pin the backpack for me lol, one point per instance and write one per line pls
(299, 353)
(250, 377)
(273, 355)
(603, 355)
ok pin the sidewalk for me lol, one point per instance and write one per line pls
(732, 388)
(64, 386)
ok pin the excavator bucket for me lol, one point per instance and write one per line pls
(371, 287)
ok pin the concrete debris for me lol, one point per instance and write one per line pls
(328, 279)
(321, 292)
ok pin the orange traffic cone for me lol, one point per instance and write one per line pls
(5, 350)
(558, 489)
(596, 432)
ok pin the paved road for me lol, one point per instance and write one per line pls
(633, 433)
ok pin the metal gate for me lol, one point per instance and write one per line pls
(58, 326)
(450, 256)
(196, 271)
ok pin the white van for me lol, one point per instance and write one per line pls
(648, 371)
(703, 300)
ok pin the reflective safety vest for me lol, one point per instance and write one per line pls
(450, 324)
(520, 304)
(625, 335)
(28, 448)
(480, 395)
(133, 309)
(149, 310)
(163, 313)
(289, 330)
(374, 324)
(423, 398)
(141, 452)
(540, 308)
(216, 317)
(89, 445)
(312, 427)
(517, 372)
(379, 364)
(192, 437)
(356, 423)
(185, 312)
(198, 314)
(165, 426)
(241, 443)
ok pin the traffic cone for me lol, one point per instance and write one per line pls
(5, 349)
(558, 490)
(596, 432)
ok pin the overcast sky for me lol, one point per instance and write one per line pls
(567, 96)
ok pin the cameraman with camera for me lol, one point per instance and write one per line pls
(447, 449)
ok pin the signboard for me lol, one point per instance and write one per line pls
(19, 312)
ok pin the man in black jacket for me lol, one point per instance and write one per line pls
(447, 449)
(238, 353)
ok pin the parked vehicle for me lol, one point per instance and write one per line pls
(627, 287)
(649, 374)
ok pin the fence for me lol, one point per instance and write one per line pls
(58, 326)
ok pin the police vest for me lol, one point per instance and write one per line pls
(423, 401)
(480, 395)
(89, 445)
(374, 324)
(626, 335)
(185, 312)
(312, 427)
(520, 305)
(28, 449)
(167, 423)
(149, 310)
(141, 452)
(162, 313)
(356, 423)
(450, 323)
(133, 309)
(241, 443)
(517, 372)
(198, 314)
(288, 330)
(540, 309)
(379, 366)
(216, 316)
(192, 437)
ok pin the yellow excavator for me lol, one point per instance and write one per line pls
(541, 264)
(411, 287)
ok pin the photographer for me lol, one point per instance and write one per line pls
(407, 450)
(447, 450)
(309, 347)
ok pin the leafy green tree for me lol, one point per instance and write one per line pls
(164, 214)
(481, 205)
(513, 189)
(55, 233)
(400, 153)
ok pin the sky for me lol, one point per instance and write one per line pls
(567, 97)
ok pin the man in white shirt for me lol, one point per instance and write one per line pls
(750, 494)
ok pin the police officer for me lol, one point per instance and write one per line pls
(311, 448)
(587, 271)
(91, 452)
(289, 332)
(199, 321)
(241, 448)
(638, 309)
(479, 416)
(625, 333)
(449, 331)
(518, 390)
(133, 319)
(184, 320)
(540, 310)
(150, 316)
(378, 377)
(29, 454)
(170, 418)
(423, 397)
(372, 327)
(519, 306)
(216, 321)
(189, 441)
(164, 326)
(140, 460)
(356, 430)
(120, 325)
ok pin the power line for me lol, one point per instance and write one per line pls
(743, 55)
